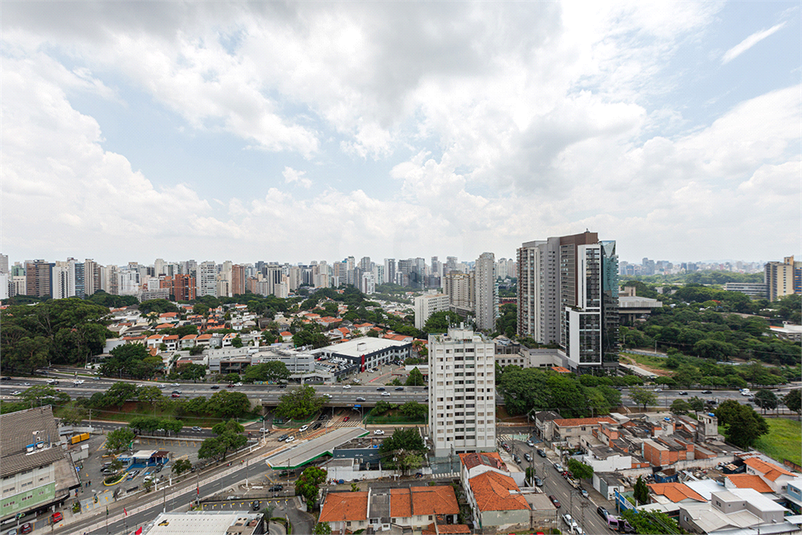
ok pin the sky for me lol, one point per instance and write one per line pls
(312, 130)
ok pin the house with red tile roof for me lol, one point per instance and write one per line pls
(203, 339)
(773, 474)
(497, 502)
(413, 507)
(134, 339)
(570, 429)
(746, 481)
(162, 326)
(171, 342)
(674, 492)
(154, 340)
(286, 336)
(362, 328)
(188, 341)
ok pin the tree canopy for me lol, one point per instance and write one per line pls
(273, 371)
(299, 403)
(742, 425)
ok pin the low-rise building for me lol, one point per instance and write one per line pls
(207, 523)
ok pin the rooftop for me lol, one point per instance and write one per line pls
(676, 492)
(497, 492)
(23, 429)
(344, 506)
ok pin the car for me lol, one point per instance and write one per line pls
(12, 531)
(159, 468)
(506, 446)
(321, 417)
(303, 428)
(161, 386)
(238, 384)
(399, 388)
(346, 418)
(584, 493)
(5, 378)
(56, 517)
(317, 426)
(230, 385)
(264, 430)
(176, 391)
(130, 477)
(683, 393)
(51, 381)
(347, 387)
(276, 488)
(530, 443)
(16, 393)
(516, 458)
(542, 453)
(256, 506)
(378, 432)
(360, 399)
(290, 438)
(215, 387)
(196, 428)
(707, 392)
(555, 501)
(76, 383)
(527, 457)
(658, 389)
(559, 467)
(380, 389)
(602, 512)
(385, 393)
(538, 482)
(327, 396)
(569, 521)
(175, 384)
(174, 395)
(282, 438)
(27, 527)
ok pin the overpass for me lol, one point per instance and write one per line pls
(298, 454)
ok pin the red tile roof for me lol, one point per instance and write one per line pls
(190, 337)
(348, 506)
(164, 326)
(676, 492)
(416, 501)
(749, 481)
(769, 471)
(471, 460)
(497, 492)
(560, 369)
(446, 529)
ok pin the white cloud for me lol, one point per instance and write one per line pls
(291, 176)
(749, 42)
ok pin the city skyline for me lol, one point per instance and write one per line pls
(285, 130)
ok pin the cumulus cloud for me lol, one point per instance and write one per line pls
(292, 176)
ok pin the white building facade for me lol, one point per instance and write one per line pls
(462, 408)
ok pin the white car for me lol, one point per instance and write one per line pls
(175, 384)
(378, 432)
(303, 428)
(347, 387)
(290, 438)
(385, 393)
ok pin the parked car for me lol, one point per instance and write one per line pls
(559, 467)
(530, 443)
(516, 458)
(303, 428)
(555, 501)
(602, 512)
(538, 482)
(27, 527)
(542, 453)
(527, 457)
(317, 426)
(56, 517)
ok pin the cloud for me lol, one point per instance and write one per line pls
(292, 176)
(749, 42)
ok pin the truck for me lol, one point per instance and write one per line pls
(79, 438)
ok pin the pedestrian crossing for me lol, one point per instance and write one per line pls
(446, 475)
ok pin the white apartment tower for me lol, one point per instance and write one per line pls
(428, 304)
(207, 279)
(486, 292)
(462, 404)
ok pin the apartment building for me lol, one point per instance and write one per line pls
(782, 278)
(461, 392)
(486, 292)
(428, 304)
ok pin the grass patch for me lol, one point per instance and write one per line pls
(784, 440)
(393, 417)
(654, 362)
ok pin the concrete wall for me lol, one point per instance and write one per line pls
(505, 520)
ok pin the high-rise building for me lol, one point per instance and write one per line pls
(63, 279)
(462, 401)
(389, 270)
(428, 304)
(238, 278)
(38, 278)
(568, 295)
(486, 294)
(207, 279)
(108, 278)
(3, 263)
(782, 278)
(367, 283)
(182, 287)
(80, 285)
(92, 278)
(461, 290)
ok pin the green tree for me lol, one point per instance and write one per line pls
(696, 404)
(641, 491)
(382, 407)
(308, 485)
(148, 394)
(192, 372)
(73, 415)
(38, 395)
(181, 465)
(680, 406)
(414, 410)
(232, 377)
(415, 378)
(439, 321)
(273, 371)
(641, 396)
(145, 424)
(212, 448)
(227, 404)
(766, 399)
(119, 393)
(322, 528)
(299, 403)
(580, 469)
(119, 439)
(743, 426)
(237, 341)
(792, 400)
(159, 306)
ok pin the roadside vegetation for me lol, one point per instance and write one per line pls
(783, 441)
